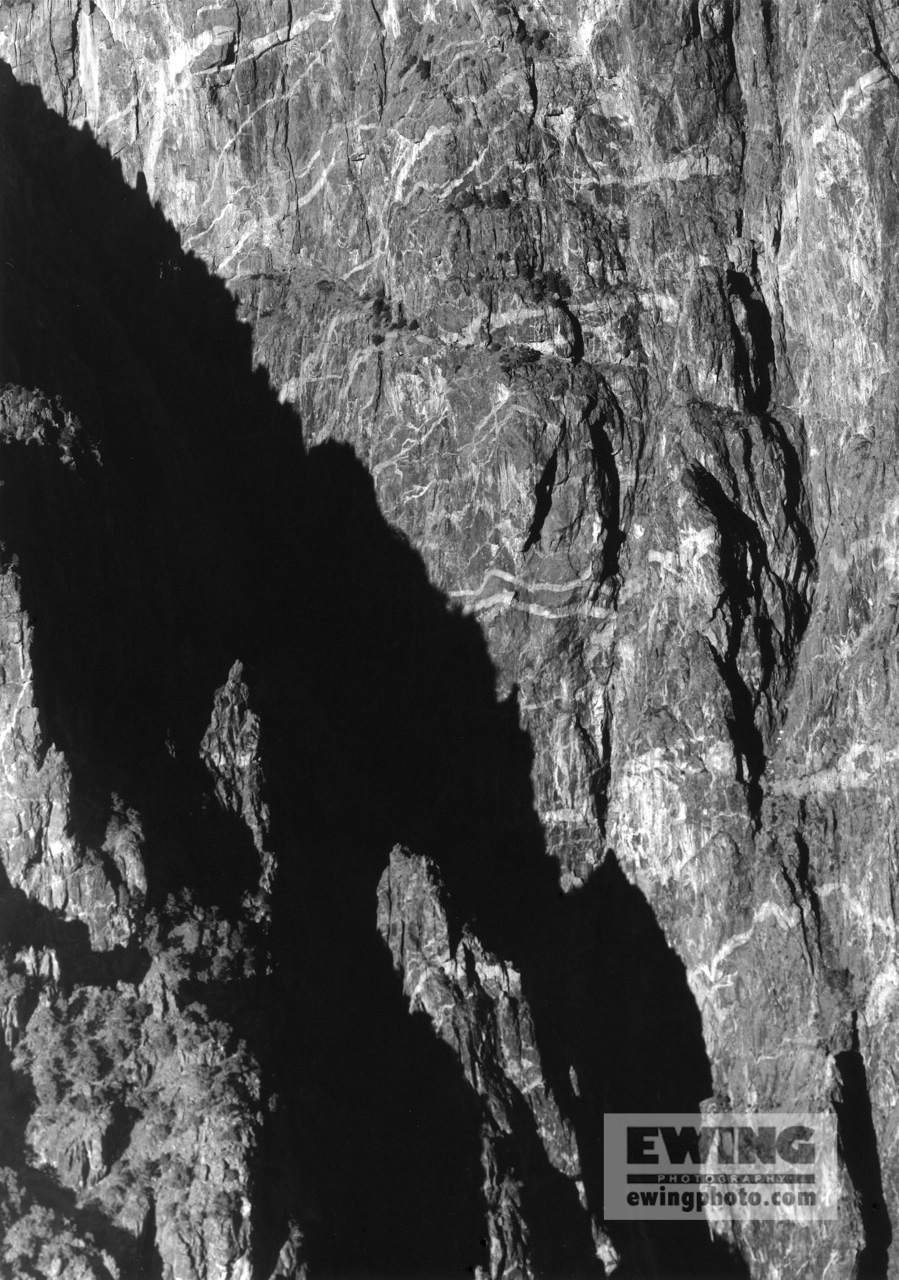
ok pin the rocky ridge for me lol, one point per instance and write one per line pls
(581, 313)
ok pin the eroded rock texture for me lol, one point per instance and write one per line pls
(466, 429)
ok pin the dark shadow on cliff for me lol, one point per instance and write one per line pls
(401, 738)
(637, 1046)
(395, 735)
(204, 534)
(858, 1147)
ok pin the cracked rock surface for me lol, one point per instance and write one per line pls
(465, 429)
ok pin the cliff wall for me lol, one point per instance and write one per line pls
(467, 430)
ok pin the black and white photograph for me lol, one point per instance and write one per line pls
(449, 640)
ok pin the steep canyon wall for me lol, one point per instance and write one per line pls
(450, 501)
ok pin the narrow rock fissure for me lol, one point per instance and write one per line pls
(806, 881)
(610, 499)
(543, 500)
(753, 349)
(742, 561)
(695, 28)
(577, 344)
(879, 53)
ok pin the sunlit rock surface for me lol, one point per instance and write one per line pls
(476, 1004)
(588, 305)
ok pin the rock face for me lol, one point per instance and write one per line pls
(466, 429)
(475, 1002)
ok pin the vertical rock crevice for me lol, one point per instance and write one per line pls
(543, 499)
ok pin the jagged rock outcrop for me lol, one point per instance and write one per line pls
(476, 1004)
(42, 854)
(512, 387)
(231, 752)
